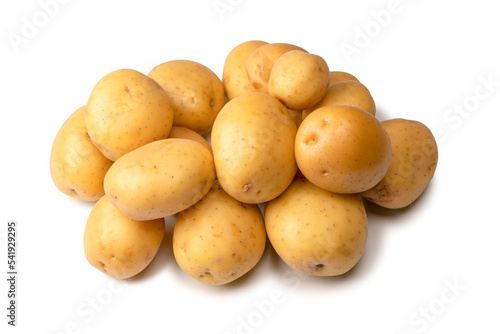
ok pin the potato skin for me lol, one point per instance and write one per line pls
(317, 232)
(77, 167)
(160, 179)
(342, 149)
(117, 245)
(413, 163)
(185, 133)
(219, 239)
(126, 110)
(338, 76)
(253, 145)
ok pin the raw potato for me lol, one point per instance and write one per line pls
(338, 76)
(414, 161)
(160, 179)
(261, 61)
(196, 93)
(185, 133)
(299, 79)
(219, 239)
(342, 149)
(77, 167)
(253, 145)
(317, 232)
(234, 76)
(127, 110)
(349, 93)
(117, 245)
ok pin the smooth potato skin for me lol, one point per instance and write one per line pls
(185, 133)
(126, 110)
(338, 76)
(413, 163)
(77, 167)
(342, 149)
(219, 239)
(317, 232)
(160, 179)
(117, 245)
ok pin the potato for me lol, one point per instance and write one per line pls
(413, 163)
(349, 93)
(219, 239)
(253, 145)
(196, 93)
(299, 79)
(338, 76)
(77, 167)
(117, 245)
(185, 133)
(160, 179)
(342, 149)
(127, 110)
(234, 75)
(261, 61)
(315, 231)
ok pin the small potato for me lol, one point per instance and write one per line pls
(117, 245)
(261, 61)
(219, 239)
(160, 179)
(127, 110)
(234, 75)
(77, 167)
(317, 232)
(338, 76)
(413, 163)
(342, 149)
(299, 79)
(196, 93)
(253, 145)
(185, 133)
(349, 93)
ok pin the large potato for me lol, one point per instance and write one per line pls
(299, 79)
(126, 110)
(253, 147)
(77, 167)
(196, 93)
(342, 149)
(317, 232)
(219, 239)
(117, 245)
(413, 163)
(160, 179)
(234, 75)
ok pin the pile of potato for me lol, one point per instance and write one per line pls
(294, 149)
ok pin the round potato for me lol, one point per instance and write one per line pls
(160, 179)
(219, 239)
(299, 79)
(338, 76)
(413, 163)
(127, 110)
(342, 149)
(117, 245)
(317, 232)
(185, 133)
(77, 167)
(261, 61)
(253, 145)
(196, 93)
(234, 75)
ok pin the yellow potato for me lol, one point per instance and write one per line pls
(117, 245)
(261, 61)
(219, 239)
(338, 76)
(349, 93)
(413, 163)
(317, 232)
(253, 145)
(160, 179)
(342, 149)
(196, 93)
(185, 133)
(126, 110)
(234, 76)
(77, 167)
(299, 79)
(296, 116)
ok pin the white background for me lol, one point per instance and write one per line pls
(427, 61)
